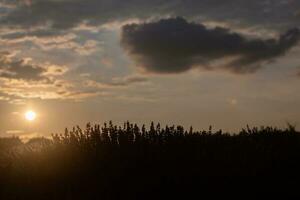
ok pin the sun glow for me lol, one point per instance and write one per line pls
(30, 115)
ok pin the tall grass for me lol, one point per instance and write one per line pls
(131, 162)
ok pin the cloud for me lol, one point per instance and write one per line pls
(19, 91)
(20, 69)
(24, 69)
(64, 14)
(15, 132)
(87, 48)
(36, 33)
(175, 45)
(4, 97)
(21, 79)
(128, 80)
(50, 41)
(118, 82)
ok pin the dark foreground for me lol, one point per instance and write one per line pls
(162, 163)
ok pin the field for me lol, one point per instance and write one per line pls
(131, 162)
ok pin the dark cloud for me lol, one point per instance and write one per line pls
(13, 68)
(175, 45)
(269, 14)
(63, 14)
(19, 69)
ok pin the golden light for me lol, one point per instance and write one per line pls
(30, 115)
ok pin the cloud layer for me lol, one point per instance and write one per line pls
(174, 45)
(75, 33)
(63, 14)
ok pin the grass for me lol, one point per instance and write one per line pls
(131, 162)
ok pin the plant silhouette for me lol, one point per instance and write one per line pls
(131, 162)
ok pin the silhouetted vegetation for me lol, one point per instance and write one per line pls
(132, 162)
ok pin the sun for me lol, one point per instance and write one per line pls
(30, 115)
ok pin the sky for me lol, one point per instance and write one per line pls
(190, 62)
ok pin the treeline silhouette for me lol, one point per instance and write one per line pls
(132, 162)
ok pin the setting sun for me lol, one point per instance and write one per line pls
(30, 115)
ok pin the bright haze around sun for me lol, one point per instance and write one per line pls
(30, 115)
(194, 62)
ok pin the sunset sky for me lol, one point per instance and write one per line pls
(191, 62)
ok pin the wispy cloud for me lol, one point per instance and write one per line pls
(118, 82)
(21, 79)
